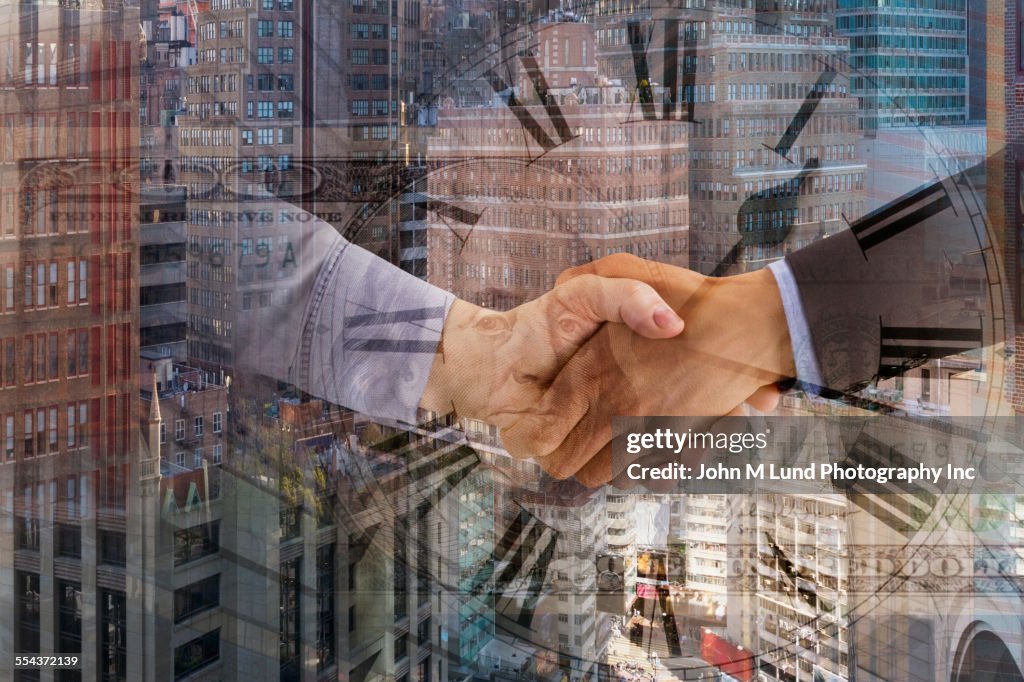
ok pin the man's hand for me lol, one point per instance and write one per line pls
(497, 366)
(736, 343)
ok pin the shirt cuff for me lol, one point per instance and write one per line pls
(377, 337)
(808, 371)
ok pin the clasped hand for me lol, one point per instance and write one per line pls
(551, 374)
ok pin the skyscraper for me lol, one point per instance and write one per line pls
(69, 253)
(910, 66)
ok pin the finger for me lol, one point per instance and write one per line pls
(638, 305)
(543, 428)
(598, 470)
(765, 399)
(616, 265)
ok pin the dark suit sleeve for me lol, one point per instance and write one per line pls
(878, 298)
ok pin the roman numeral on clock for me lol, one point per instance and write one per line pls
(885, 223)
(521, 558)
(903, 348)
(639, 43)
(902, 506)
(531, 125)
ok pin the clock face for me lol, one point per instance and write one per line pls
(720, 140)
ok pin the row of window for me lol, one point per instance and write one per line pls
(904, 22)
(228, 29)
(266, 82)
(216, 457)
(41, 357)
(376, 81)
(373, 32)
(361, 107)
(265, 109)
(265, 55)
(47, 285)
(376, 7)
(283, 5)
(215, 83)
(362, 56)
(226, 55)
(198, 427)
(40, 432)
(265, 28)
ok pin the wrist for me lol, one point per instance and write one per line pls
(741, 320)
(447, 388)
(757, 303)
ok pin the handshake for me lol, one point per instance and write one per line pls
(551, 374)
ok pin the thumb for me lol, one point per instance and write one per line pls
(627, 301)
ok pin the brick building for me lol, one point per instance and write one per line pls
(510, 209)
(71, 473)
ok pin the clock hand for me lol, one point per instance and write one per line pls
(803, 115)
(772, 236)
(530, 124)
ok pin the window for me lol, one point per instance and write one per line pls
(112, 548)
(196, 654)
(360, 107)
(285, 29)
(246, 137)
(27, 616)
(291, 522)
(69, 617)
(179, 429)
(359, 56)
(286, 55)
(217, 454)
(379, 32)
(361, 81)
(286, 82)
(27, 529)
(325, 649)
(83, 281)
(265, 109)
(380, 81)
(195, 598)
(265, 136)
(196, 542)
(265, 28)
(163, 431)
(197, 458)
(360, 31)
(197, 426)
(265, 55)
(380, 56)
(285, 109)
(113, 664)
(28, 285)
(288, 642)
(69, 541)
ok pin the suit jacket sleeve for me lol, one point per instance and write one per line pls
(878, 299)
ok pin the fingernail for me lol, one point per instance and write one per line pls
(665, 317)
